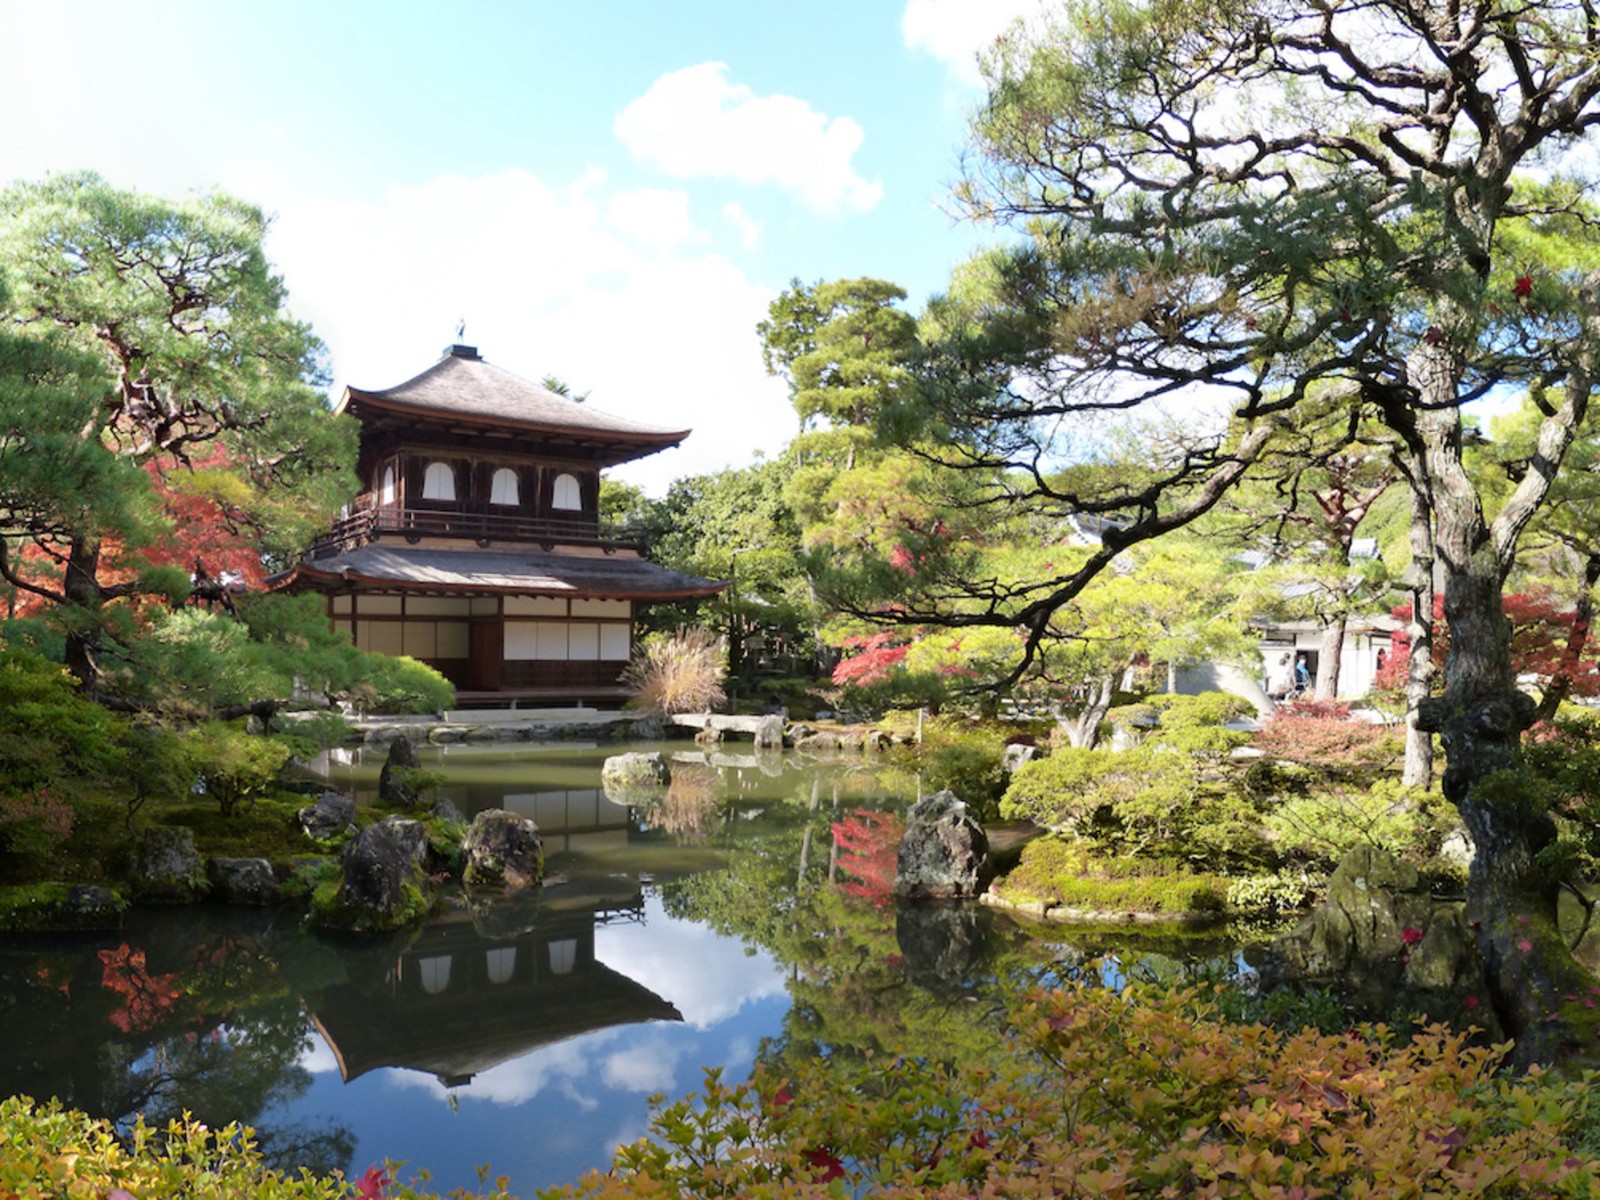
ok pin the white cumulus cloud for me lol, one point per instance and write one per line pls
(656, 218)
(957, 31)
(613, 290)
(748, 227)
(695, 123)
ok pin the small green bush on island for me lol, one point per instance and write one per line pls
(1147, 800)
(1063, 872)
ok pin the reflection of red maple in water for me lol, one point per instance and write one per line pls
(869, 846)
(145, 997)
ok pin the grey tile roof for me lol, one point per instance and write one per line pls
(518, 571)
(459, 385)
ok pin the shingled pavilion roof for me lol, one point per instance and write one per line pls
(463, 389)
(424, 568)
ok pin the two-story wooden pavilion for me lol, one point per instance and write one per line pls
(475, 545)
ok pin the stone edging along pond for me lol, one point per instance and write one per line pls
(1062, 914)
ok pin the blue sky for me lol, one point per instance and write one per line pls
(611, 192)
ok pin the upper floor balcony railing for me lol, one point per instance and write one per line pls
(365, 522)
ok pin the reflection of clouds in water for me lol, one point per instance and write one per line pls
(707, 977)
(630, 1131)
(740, 1054)
(645, 1067)
(317, 1058)
(559, 1067)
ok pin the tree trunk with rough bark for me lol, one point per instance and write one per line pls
(1419, 673)
(1538, 988)
(1330, 660)
(1083, 730)
(85, 598)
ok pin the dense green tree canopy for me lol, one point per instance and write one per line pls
(1235, 212)
(156, 389)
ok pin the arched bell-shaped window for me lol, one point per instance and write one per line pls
(386, 490)
(503, 488)
(563, 954)
(435, 973)
(502, 963)
(565, 493)
(439, 483)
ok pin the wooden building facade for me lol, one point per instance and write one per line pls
(475, 544)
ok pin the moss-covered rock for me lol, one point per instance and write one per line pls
(381, 885)
(167, 869)
(502, 850)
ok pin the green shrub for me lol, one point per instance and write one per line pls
(1275, 894)
(970, 765)
(1192, 712)
(1135, 1094)
(50, 737)
(1200, 741)
(51, 1153)
(231, 766)
(1323, 824)
(1148, 799)
(1059, 871)
(396, 684)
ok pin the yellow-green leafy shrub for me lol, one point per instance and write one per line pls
(1125, 1095)
(1062, 872)
(1150, 799)
(1325, 822)
(51, 1153)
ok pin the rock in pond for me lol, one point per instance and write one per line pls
(397, 786)
(382, 885)
(242, 880)
(502, 850)
(636, 770)
(635, 779)
(1386, 946)
(62, 908)
(329, 817)
(944, 853)
(167, 868)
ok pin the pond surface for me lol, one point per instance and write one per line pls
(740, 919)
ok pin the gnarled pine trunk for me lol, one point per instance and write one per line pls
(1539, 989)
(85, 598)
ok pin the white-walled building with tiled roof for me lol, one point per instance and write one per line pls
(475, 544)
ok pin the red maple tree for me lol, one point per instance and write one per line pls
(1549, 642)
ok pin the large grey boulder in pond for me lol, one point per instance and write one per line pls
(635, 779)
(242, 880)
(769, 733)
(636, 770)
(1386, 946)
(167, 868)
(382, 886)
(396, 782)
(329, 817)
(944, 853)
(502, 850)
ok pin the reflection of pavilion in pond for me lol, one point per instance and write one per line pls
(456, 1000)
(570, 818)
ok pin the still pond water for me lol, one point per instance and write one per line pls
(732, 923)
